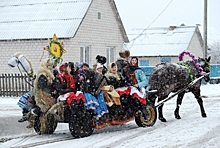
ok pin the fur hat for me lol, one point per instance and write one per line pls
(101, 59)
(124, 53)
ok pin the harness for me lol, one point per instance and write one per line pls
(207, 68)
(188, 68)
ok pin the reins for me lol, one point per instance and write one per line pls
(25, 71)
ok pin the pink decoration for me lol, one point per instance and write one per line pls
(195, 60)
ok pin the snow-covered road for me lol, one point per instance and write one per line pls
(190, 131)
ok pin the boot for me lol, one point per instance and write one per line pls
(23, 118)
(36, 111)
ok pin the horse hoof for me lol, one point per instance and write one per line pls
(177, 117)
(162, 119)
(204, 115)
(176, 114)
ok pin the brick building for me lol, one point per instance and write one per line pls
(86, 27)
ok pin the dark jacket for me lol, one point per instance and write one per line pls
(91, 82)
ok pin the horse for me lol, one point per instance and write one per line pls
(171, 77)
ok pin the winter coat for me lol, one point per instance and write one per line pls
(135, 75)
(141, 78)
(91, 82)
(114, 79)
(64, 83)
(121, 62)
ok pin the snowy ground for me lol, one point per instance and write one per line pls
(190, 131)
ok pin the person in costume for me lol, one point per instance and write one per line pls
(99, 68)
(91, 88)
(100, 60)
(43, 85)
(114, 80)
(123, 59)
(64, 81)
(140, 80)
(114, 77)
(136, 79)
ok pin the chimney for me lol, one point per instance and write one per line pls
(172, 27)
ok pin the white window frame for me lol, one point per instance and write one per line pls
(110, 54)
(85, 54)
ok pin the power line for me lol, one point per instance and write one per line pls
(132, 41)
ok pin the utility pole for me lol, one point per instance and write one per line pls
(205, 29)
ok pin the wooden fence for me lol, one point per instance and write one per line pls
(17, 84)
(14, 84)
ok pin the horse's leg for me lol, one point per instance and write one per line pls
(198, 97)
(178, 104)
(160, 111)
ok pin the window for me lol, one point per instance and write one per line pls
(84, 54)
(110, 54)
(99, 15)
(144, 62)
(165, 59)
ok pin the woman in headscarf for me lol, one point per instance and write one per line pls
(114, 77)
(114, 80)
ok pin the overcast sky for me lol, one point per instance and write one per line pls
(142, 13)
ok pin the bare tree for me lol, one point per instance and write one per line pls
(214, 52)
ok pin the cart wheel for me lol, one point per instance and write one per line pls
(151, 117)
(80, 123)
(50, 124)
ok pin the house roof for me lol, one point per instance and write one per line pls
(167, 41)
(31, 19)
(121, 26)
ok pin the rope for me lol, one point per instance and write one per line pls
(42, 56)
(25, 71)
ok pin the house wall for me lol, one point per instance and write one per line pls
(32, 49)
(97, 33)
(195, 46)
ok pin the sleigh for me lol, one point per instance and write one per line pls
(82, 122)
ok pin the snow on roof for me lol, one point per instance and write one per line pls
(169, 41)
(31, 19)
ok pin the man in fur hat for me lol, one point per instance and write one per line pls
(123, 59)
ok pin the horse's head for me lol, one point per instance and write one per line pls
(205, 64)
(22, 62)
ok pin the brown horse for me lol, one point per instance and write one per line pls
(171, 77)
